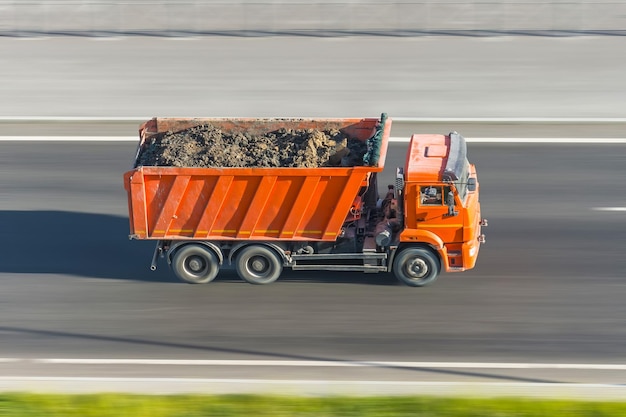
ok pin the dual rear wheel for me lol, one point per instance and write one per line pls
(195, 264)
(199, 264)
(258, 264)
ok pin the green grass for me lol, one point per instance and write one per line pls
(114, 405)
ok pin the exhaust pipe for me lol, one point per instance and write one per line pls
(158, 250)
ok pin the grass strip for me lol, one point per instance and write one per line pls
(120, 405)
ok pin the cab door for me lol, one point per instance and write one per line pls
(437, 210)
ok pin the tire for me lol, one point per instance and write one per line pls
(416, 267)
(195, 264)
(258, 265)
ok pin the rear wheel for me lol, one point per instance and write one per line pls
(195, 264)
(416, 267)
(259, 265)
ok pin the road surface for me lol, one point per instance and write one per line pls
(548, 288)
(543, 306)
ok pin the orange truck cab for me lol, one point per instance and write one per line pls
(439, 193)
(262, 220)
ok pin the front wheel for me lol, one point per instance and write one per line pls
(416, 267)
(259, 265)
(195, 264)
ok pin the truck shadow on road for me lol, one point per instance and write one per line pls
(73, 243)
(49, 337)
(97, 246)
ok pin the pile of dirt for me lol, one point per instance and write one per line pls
(207, 146)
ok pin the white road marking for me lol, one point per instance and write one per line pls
(69, 138)
(174, 385)
(111, 38)
(36, 119)
(391, 139)
(296, 381)
(33, 38)
(329, 364)
(609, 208)
(510, 119)
(591, 391)
(548, 140)
(397, 119)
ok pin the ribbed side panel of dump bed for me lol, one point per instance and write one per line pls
(196, 203)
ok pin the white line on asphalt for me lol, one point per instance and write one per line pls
(299, 381)
(329, 364)
(511, 119)
(548, 140)
(391, 139)
(71, 119)
(108, 38)
(397, 119)
(609, 208)
(68, 139)
(163, 385)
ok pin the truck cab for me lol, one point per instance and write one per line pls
(440, 201)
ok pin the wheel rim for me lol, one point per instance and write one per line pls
(259, 266)
(196, 265)
(417, 268)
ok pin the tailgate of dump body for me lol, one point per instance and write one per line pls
(249, 203)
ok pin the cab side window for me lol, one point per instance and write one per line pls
(431, 195)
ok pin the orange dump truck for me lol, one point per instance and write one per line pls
(262, 220)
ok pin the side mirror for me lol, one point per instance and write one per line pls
(450, 204)
(471, 184)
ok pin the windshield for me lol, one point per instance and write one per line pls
(461, 182)
(457, 166)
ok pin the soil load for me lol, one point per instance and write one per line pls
(206, 146)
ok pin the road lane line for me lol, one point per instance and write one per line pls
(329, 364)
(298, 381)
(549, 140)
(609, 208)
(391, 139)
(69, 138)
(592, 391)
(72, 119)
(510, 119)
(396, 119)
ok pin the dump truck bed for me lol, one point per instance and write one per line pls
(250, 203)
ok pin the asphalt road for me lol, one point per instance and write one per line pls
(549, 285)
(499, 76)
